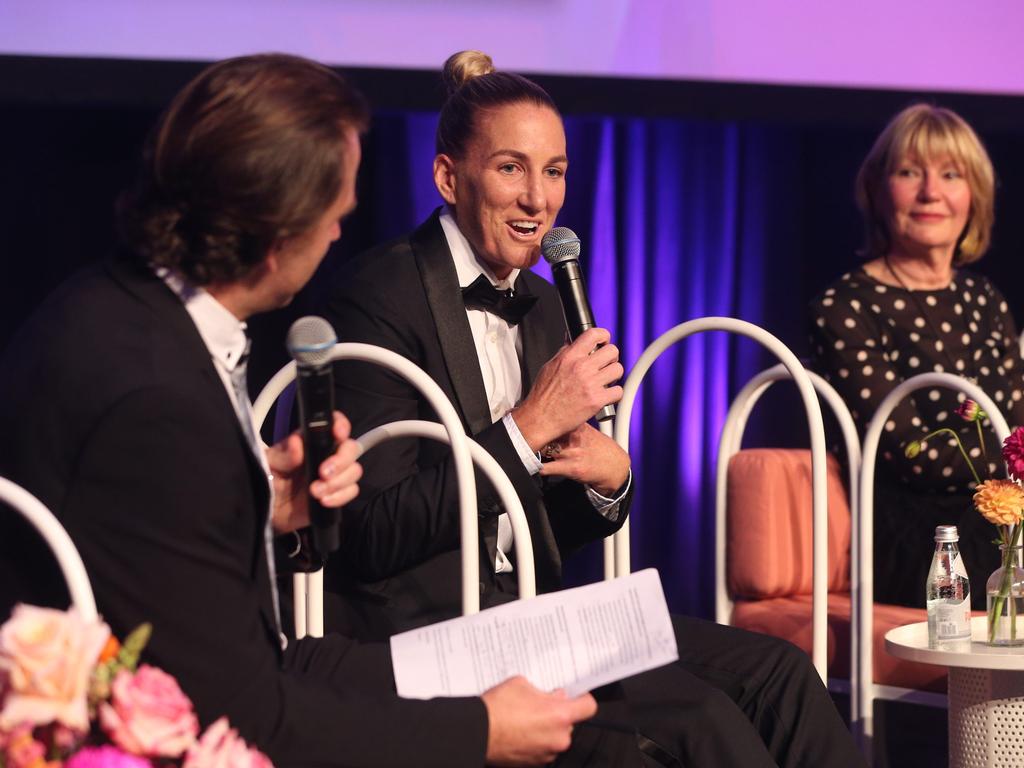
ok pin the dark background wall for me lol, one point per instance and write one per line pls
(759, 179)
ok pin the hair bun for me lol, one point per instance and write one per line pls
(463, 66)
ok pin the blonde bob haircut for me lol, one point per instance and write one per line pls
(925, 132)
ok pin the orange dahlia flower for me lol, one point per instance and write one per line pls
(1001, 502)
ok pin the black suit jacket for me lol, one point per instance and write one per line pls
(112, 413)
(399, 562)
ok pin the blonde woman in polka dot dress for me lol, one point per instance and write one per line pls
(926, 194)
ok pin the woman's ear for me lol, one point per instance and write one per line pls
(444, 178)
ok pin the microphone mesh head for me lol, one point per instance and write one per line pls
(560, 244)
(310, 340)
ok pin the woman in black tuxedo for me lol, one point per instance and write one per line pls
(457, 298)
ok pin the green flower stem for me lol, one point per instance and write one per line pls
(1004, 587)
(981, 443)
(959, 445)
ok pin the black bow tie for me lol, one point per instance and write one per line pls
(480, 294)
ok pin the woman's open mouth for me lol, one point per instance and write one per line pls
(523, 229)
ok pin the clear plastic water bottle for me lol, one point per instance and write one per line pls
(948, 591)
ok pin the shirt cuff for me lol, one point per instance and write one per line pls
(530, 459)
(609, 508)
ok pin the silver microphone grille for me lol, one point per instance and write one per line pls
(560, 244)
(310, 340)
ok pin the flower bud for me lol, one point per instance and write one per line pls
(912, 450)
(970, 411)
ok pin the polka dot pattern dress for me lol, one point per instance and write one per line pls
(866, 338)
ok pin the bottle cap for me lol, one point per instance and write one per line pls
(946, 533)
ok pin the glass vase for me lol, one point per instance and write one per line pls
(1005, 596)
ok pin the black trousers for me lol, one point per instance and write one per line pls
(735, 699)
(738, 698)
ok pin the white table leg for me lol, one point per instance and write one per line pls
(986, 718)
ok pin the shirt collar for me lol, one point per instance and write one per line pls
(467, 265)
(222, 332)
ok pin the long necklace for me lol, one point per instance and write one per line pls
(967, 374)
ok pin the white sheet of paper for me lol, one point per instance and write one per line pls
(576, 639)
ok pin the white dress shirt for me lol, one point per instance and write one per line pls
(498, 347)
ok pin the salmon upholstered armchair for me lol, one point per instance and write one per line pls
(763, 568)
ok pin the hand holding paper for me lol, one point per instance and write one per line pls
(530, 727)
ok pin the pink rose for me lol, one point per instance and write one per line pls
(1013, 453)
(221, 747)
(148, 714)
(106, 757)
(47, 657)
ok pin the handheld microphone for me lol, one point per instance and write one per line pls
(310, 341)
(561, 249)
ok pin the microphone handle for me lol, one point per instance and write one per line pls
(315, 386)
(572, 289)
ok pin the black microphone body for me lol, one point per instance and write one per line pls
(310, 345)
(561, 249)
(316, 415)
(572, 290)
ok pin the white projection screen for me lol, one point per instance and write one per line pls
(941, 45)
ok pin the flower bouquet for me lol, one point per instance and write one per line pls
(72, 695)
(1001, 502)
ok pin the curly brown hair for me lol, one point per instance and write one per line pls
(246, 154)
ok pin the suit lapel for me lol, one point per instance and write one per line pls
(538, 331)
(441, 285)
(191, 354)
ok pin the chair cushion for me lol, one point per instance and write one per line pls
(790, 619)
(769, 525)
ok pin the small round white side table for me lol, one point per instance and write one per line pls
(986, 694)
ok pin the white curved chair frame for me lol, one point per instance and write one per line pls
(864, 691)
(445, 411)
(70, 562)
(817, 439)
(730, 443)
(309, 612)
(431, 430)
